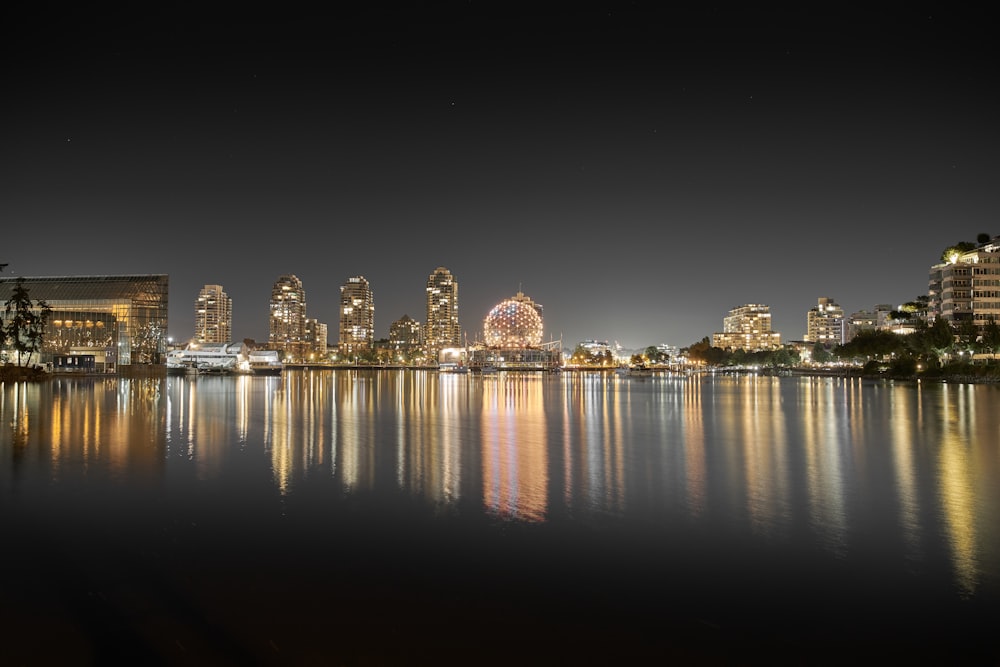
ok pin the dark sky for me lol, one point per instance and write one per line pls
(637, 169)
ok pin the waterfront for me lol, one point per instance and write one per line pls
(404, 517)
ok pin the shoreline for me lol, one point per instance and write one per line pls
(12, 373)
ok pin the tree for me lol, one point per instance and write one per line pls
(983, 238)
(991, 336)
(24, 322)
(871, 345)
(940, 336)
(705, 352)
(820, 354)
(968, 334)
(957, 249)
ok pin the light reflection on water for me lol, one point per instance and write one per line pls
(775, 455)
(903, 474)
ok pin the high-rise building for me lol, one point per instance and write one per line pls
(825, 323)
(442, 327)
(316, 337)
(404, 333)
(966, 287)
(357, 316)
(213, 316)
(288, 317)
(747, 328)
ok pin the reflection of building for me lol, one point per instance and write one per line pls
(288, 317)
(442, 328)
(747, 328)
(825, 323)
(512, 332)
(357, 316)
(121, 320)
(213, 316)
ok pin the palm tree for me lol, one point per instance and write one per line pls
(25, 322)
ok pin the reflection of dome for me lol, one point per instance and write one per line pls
(514, 322)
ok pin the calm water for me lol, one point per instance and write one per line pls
(403, 517)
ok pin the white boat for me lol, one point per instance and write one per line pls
(487, 369)
(219, 358)
(265, 362)
(452, 367)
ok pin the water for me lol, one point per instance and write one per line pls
(407, 517)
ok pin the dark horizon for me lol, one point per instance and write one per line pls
(638, 171)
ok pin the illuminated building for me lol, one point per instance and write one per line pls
(442, 328)
(404, 334)
(213, 316)
(512, 333)
(966, 287)
(117, 320)
(514, 322)
(825, 323)
(595, 347)
(316, 336)
(288, 317)
(747, 328)
(357, 316)
(861, 320)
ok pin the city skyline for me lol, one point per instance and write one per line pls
(640, 171)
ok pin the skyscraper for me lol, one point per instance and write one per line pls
(288, 316)
(357, 316)
(442, 327)
(213, 316)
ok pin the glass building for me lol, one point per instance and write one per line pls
(119, 320)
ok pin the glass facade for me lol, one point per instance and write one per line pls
(121, 320)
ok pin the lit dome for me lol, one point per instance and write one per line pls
(513, 323)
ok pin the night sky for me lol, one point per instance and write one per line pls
(636, 170)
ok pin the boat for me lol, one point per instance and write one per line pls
(265, 362)
(452, 367)
(202, 358)
(640, 371)
(488, 369)
(179, 366)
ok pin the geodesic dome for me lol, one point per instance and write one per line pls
(513, 323)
